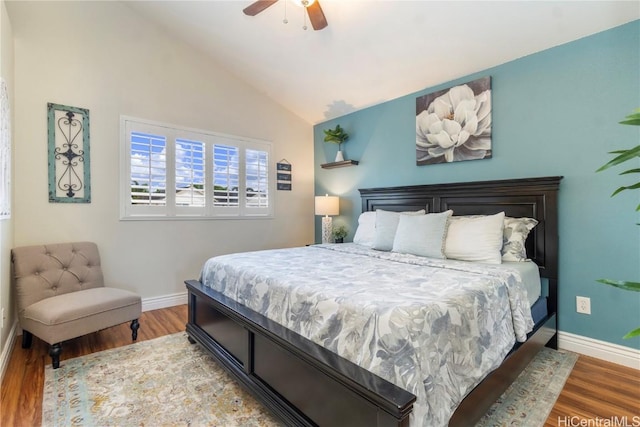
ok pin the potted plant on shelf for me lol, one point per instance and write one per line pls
(339, 233)
(623, 156)
(336, 136)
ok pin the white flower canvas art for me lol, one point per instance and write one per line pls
(454, 124)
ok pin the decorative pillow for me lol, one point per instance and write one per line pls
(386, 225)
(422, 235)
(476, 239)
(366, 231)
(515, 234)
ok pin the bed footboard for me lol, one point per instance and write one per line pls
(301, 382)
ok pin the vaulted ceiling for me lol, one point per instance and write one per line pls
(373, 51)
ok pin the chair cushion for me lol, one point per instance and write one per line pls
(71, 315)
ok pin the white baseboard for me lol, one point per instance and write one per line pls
(7, 349)
(164, 301)
(600, 349)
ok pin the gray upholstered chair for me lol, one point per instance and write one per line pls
(60, 295)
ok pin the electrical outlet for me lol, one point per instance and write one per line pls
(2, 318)
(583, 305)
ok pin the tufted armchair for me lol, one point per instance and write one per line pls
(61, 295)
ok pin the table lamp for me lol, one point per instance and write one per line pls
(327, 205)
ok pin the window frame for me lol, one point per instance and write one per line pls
(172, 211)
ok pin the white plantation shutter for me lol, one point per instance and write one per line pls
(190, 173)
(148, 174)
(172, 172)
(257, 181)
(226, 178)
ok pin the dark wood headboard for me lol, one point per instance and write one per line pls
(531, 197)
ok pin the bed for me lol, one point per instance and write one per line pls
(304, 371)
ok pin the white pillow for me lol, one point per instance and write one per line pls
(386, 225)
(476, 239)
(422, 235)
(366, 231)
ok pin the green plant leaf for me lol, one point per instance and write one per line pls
(630, 187)
(632, 334)
(622, 284)
(623, 156)
(336, 136)
(632, 119)
(630, 171)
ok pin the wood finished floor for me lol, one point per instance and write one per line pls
(595, 390)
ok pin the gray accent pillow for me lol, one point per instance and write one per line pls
(422, 235)
(386, 225)
(515, 234)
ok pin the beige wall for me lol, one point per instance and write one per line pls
(6, 225)
(102, 56)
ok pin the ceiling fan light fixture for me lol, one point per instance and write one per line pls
(311, 8)
(303, 3)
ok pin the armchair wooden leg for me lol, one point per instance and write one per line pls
(54, 352)
(134, 329)
(27, 337)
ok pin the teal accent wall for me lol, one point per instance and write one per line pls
(555, 112)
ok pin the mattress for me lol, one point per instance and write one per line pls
(530, 274)
(433, 327)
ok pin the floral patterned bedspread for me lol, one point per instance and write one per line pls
(433, 327)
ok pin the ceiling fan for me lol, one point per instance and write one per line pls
(316, 15)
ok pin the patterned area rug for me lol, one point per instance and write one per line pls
(529, 400)
(169, 382)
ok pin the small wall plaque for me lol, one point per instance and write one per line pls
(283, 175)
(69, 171)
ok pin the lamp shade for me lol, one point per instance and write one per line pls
(327, 205)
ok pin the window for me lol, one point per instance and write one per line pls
(148, 169)
(190, 173)
(173, 172)
(226, 179)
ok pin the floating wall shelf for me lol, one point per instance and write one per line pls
(339, 164)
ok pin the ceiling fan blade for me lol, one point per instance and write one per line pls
(316, 16)
(255, 8)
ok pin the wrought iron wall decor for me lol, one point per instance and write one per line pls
(69, 166)
(283, 172)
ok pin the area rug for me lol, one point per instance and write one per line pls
(529, 400)
(169, 382)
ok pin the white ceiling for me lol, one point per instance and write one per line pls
(373, 51)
